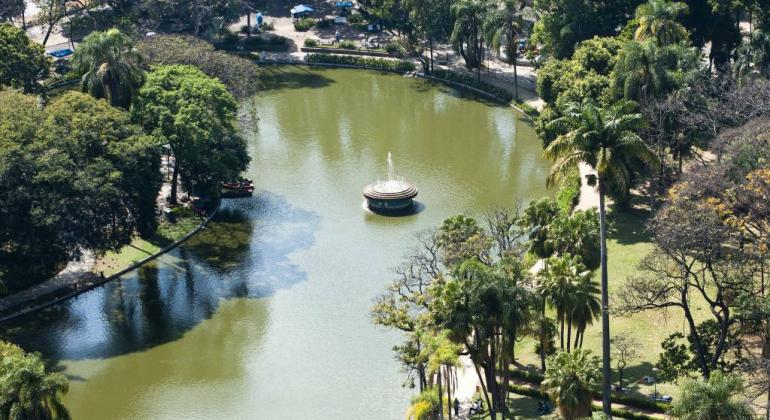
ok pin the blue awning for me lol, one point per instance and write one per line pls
(301, 8)
(344, 4)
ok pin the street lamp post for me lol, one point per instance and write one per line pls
(655, 380)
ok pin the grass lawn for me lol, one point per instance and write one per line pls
(627, 244)
(114, 261)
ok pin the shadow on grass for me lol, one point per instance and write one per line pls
(277, 78)
(628, 226)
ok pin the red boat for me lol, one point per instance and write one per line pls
(238, 185)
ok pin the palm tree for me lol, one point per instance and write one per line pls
(719, 398)
(569, 380)
(467, 34)
(110, 67)
(558, 286)
(604, 139)
(537, 218)
(501, 31)
(577, 234)
(27, 390)
(586, 306)
(657, 20)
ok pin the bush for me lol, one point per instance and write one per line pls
(395, 48)
(347, 44)
(526, 376)
(569, 191)
(471, 81)
(244, 29)
(354, 18)
(625, 414)
(528, 109)
(267, 26)
(367, 62)
(303, 25)
(311, 42)
(529, 392)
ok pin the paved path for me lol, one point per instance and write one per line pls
(77, 274)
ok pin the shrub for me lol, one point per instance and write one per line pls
(267, 26)
(394, 48)
(311, 42)
(569, 191)
(367, 62)
(304, 24)
(528, 109)
(244, 29)
(355, 18)
(347, 44)
(471, 81)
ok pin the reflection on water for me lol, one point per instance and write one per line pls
(242, 253)
(191, 335)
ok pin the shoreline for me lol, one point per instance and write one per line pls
(52, 297)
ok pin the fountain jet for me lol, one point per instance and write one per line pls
(391, 196)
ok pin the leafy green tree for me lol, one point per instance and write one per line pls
(658, 21)
(443, 357)
(425, 406)
(24, 60)
(27, 389)
(77, 176)
(604, 139)
(563, 24)
(714, 22)
(196, 116)
(753, 56)
(461, 238)
(645, 71)
(110, 67)
(718, 398)
(433, 22)
(501, 30)
(577, 234)
(468, 32)
(538, 217)
(11, 9)
(625, 348)
(584, 309)
(569, 381)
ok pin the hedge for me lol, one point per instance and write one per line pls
(569, 191)
(536, 378)
(536, 393)
(471, 81)
(367, 62)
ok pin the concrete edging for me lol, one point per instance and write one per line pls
(120, 273)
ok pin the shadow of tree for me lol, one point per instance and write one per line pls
(277, 78)
(245, 253)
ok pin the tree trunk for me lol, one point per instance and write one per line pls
(440, 395)
(447, 378)
(430, 46)
(561, 329)
(515, 78)
(569, 335)
(483, 387)
(248, 24)
(174, 182)
(606, 372)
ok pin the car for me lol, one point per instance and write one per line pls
(649, 380)
(662, 398)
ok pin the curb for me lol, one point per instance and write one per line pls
(105, 280)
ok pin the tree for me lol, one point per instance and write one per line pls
(77, 175)
(569, 380)
(577, 234)
(196, 116)
(538, 217)
(501, 30)
(604, 139)
(585, 308)
(718, 398)
(657, 21)
(24, 61)
(468, 32)
(443, 357)
(240, 75)
(433, 22)
(557, 285)
(11, 9)
(110, 67)
(625, 349)
(27, 389)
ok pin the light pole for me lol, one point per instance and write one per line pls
(655, 380)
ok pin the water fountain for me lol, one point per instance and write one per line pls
(392, 196)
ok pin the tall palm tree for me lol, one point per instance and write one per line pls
(657, 21)
(501, 32)
(604, 139)
(27, 390)
(569, 380)
(468, 31)
(577, 234)
(110, 67)
(719, 398)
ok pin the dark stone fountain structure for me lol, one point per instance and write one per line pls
(392, 196)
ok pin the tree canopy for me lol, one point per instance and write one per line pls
(23, 60)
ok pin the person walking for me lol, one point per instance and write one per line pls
(457, 407)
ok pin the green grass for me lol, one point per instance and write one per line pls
(139, 249)
(627, 244)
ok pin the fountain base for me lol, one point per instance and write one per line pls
(390, 202)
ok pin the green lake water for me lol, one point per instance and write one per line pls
(265, 314)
